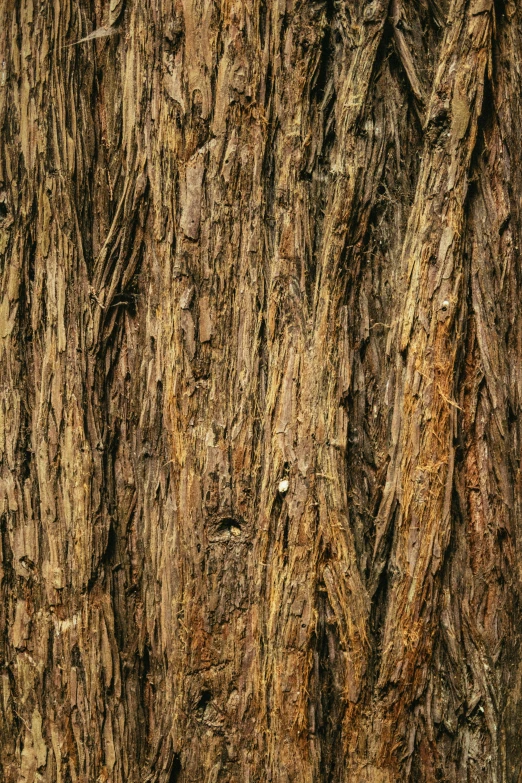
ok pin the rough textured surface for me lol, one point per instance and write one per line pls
(241, 244)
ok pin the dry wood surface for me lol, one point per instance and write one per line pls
(260, 391)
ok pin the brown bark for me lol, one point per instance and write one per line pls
(261, 383)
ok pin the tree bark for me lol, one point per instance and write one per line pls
(261, 373)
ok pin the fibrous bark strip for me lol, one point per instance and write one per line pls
(259, 361)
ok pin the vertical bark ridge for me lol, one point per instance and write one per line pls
(305, 541)
(418, 493)
(481, 628)
(508, 180)
(69, 625)
(211, 245)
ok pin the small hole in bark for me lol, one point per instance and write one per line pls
(3, 210)
(111, 546)
(204, 699)
(504, 225)
(76, 658)
(175, 770)
(228, 526)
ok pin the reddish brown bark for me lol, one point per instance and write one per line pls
(261, 382)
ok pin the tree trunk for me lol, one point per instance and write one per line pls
(261, 375)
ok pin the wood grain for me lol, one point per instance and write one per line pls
(260, 396)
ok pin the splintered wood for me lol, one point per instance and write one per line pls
(261, 378)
